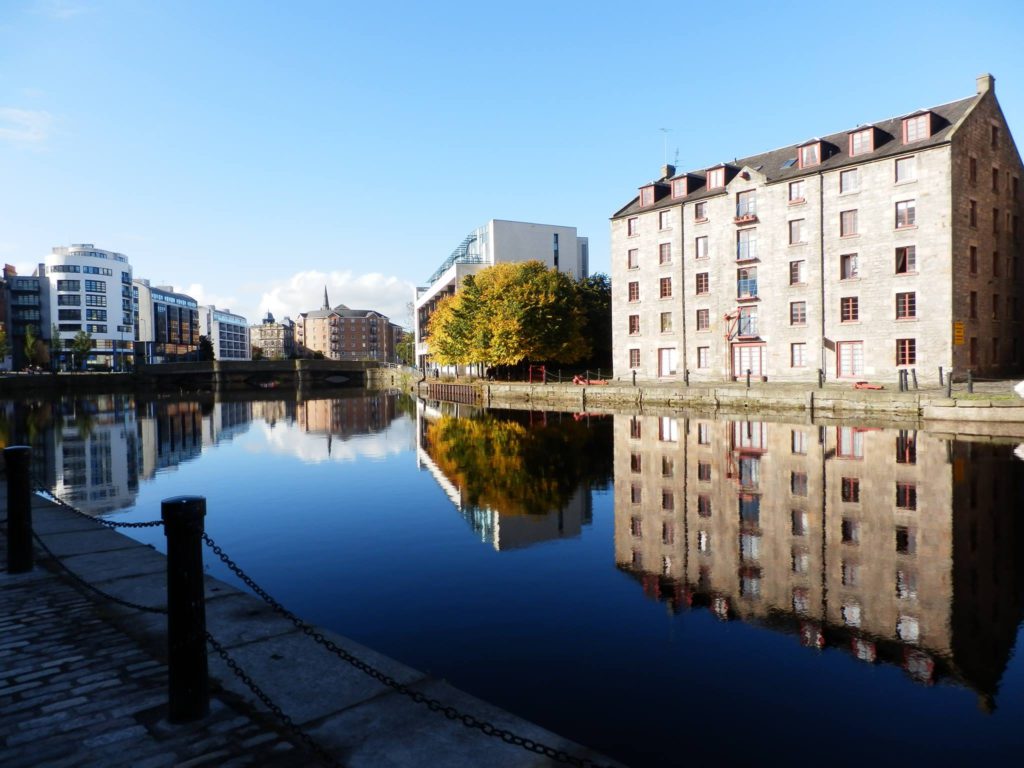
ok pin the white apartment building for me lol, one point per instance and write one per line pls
(89, 289)
(893, 245)
(228, 332)
(497, 242)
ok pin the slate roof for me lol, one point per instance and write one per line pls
(341, 311)
(888, 143)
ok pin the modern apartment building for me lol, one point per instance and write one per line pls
(21, 306)
(497, 242)
(892, 245)
(168, 324)
(85, 288)
(346, 334)
(229, 333)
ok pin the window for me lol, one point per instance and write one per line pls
(667, 466)
(69, 300)
(862, 142)
(906, 305)
(798, 441)
(1013, 187)
(704, 471)
(849, 309)
(632, 259)
(797, 272)
(849, 181)
(995, 306)
(96, 314)
(746, 283)
(906, 447)
(746, 204)
(847, 223)
(700, 211)
(972, 213)
(797, 312)
(666, 322)
(973, 305)
(665, 253)
(850, 489)
(906, 169)
(703, 319)
(916, 128)
(995, 263)
(701, 247)
(995, 136)
(995, 179)
(906, 260)
(634, 325)
(665, 287)
(906, 351)
(746, 244)
(96, 286)
(850, 531)
(796, 191)
(716, 178)
(973, 252)
(679, 187)
(702, 283)
(810, 155)
(634, 358)
(906, 584)
(796, 232)
(906, 540)
(849, 266)
(635, 463)
(850, 574)
(906, 496)
(747, 324)
(664, 219)
(634, 291)
(906, 214)
(94, 300)
(633, 226)
(995, 221)
(634, 427)
(69, 314)
(800, 522)
(798, 355)
(646, 196)
(703, 354)
(798, 483)
(69, 285)
(703, 542)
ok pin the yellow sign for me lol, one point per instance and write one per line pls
(958, 334)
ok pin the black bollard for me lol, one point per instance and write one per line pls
(913, 373)
(941, 382)
(821, 378)
(686, 376)
(187, 669)
(970, 382)
(20, 556)
(634, 378)
(949, 383)
(748, 378)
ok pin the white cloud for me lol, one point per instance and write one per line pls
(314, 448)
(24, 126)
(202, 296)
(304, 291)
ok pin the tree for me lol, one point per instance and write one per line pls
(256, 352)
(405, 350)
(81, 347)
(206, 349)
(5, 345)
(596, 302)
(34, 348)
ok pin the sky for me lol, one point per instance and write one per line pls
(251, 153)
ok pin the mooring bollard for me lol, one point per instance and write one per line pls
(188, 674)
(634, 378)
(821, 378)
(941, 382)
(913, 372)
(949, 383)
(970, 382)
(686, 376)
(748, 378)
(20, 557)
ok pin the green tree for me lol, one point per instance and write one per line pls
(81, 347)
(595, 293)
(206, 350)
(405, 350)
(5, 344)
(34, 348)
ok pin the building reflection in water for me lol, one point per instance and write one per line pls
(518, 478)
(894, 545)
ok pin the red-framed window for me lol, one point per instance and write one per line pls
(700, 246)
(797, 272)
(797, 191)
(716, 178)
(634, 325)
(916, 128)
(849, 309)
(665, 253)
(665, 287)
(809, 155)
(633, 226)
(906, 214)
(862, 142)
(850, 490)
(906, 260)
(703, 283)
(634, 358)
(848, 223)
(703, 319)
(634, 291)
(906, 305)
(646, 196)
(906, 351)
(906, 495)
(633, 258)
(798, 313)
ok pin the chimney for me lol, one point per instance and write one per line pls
(985, 83)
(667, 171)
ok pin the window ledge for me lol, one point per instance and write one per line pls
(705, 220)
(802, 242)
(909, 274)
(900, 229)
(797, 201)
(798, 285)
(849, 237)
(748, 299)
(849, 279)
(906, 319)
(904, 181)
(849, 192)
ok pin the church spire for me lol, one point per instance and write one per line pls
(327, 304)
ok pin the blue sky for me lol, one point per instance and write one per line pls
(252, 152)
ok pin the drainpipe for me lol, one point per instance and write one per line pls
(821, 257)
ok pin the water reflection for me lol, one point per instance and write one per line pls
(517, 477)
(874, 541)
(92, 451)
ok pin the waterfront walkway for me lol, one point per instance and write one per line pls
(83, 680)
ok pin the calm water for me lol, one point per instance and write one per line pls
(668, 590)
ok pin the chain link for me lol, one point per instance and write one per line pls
(450, 712)
(50, 495)
(325, 757)
(97, 590)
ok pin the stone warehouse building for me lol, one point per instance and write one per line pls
(891, 245)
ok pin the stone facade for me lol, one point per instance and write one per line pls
(850, 254)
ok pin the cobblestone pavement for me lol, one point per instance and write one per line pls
(76, 691)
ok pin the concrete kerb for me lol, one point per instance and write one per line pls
(349, 713)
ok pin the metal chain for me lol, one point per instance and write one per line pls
(97, 590)
(450, 712)
(101, 521)
(326, 757)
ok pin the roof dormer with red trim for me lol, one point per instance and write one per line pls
(652, 193)
(863, 140)
(919, 125)
(810, 153)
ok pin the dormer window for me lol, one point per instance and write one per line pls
(716, 178)
(810, 154)
(917, 127)
(862, 142)
(646, 196)
(680, 187)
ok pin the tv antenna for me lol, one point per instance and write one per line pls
(665, 132)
